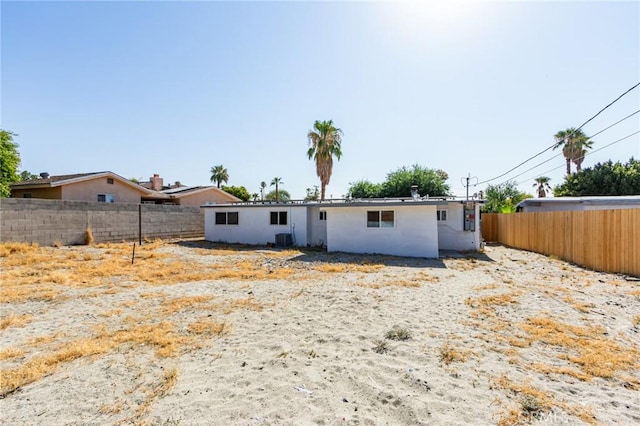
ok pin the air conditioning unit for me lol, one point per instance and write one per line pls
(284, 240)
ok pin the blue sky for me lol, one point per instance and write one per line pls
(177, 87)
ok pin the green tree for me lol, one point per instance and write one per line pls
(325, 142)
(574, 144)
(238, 191)
(255, 196)
(277, 181)
(282, 195)
(542, 186)
(312, 194)
(365, 189)
(219, 174)
(606, 178)
(430, 182)
(9, 162)
(503, 198)
(25, 175)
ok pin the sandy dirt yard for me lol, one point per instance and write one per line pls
(196, 333)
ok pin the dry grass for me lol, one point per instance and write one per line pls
(208, 327)
(348, 267)
(88, 236)
(533, 403)
(61, 268)
(588, 347)
(493, 300)
(10, 353)
(182, 303)
(448, 354)
(15, 321)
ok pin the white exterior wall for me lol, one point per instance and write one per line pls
(415, 233)
(317, 229)
(254, 224)
(451, 233)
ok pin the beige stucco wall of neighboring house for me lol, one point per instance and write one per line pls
(46, 193)
(203, 197)
(88, 190)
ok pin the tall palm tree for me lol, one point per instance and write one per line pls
(219, 174)
(263, 185)
(324, 143)
(277, 181)
(574, 145)
(542, 183)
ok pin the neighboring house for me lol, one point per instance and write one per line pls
(109, 187)
(195, 196)
(579, 203)
(401, 227)
(105, 187)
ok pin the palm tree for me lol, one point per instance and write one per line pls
(263, 185)
(255, 196)
(574, 145)
(324, 143)
(277, 181)
(219, 174)
(542, 183)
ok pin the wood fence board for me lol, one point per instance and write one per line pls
(605, 240)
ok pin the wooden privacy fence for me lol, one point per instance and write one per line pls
(604, 240)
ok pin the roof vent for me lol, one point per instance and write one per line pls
(44, 175)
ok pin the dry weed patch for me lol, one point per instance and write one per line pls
(15, 321)
(348, 267)
(534, 403)
(10, 353)
(186, 302)
(448, 354)
(589, 348)
(209, 327)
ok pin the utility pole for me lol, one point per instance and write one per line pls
(466, 183)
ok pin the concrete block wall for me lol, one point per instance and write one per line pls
(48, 221)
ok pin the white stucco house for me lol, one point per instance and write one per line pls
(402, 227)
(579, 203)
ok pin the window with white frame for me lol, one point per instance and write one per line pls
(106, 198)
(226, 218)
(441, 215)
(323, 215)
(380, 219)
(278, 218)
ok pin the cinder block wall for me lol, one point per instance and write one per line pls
(48, 221)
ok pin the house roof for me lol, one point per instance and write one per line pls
(373, 202)
(61, 180)
(190, 190)
(592, 200)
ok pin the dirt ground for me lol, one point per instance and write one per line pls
(199, 333)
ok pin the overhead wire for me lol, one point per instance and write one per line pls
(587, 154)
(555, 144)
(595, 134)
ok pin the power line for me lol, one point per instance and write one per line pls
(617, 122)
(592, 152)
(595, 134)
(550, 147)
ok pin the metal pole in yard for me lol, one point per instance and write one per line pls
(140, 224)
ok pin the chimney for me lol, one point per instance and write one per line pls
(156, 182)
(44, 175)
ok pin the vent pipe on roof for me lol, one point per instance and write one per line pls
(44, 175)
(414, 192)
